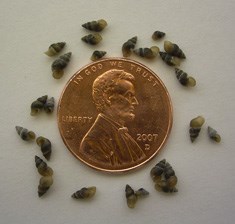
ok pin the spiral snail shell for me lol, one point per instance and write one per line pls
(38, 105)
(25, 134)
(128, 46)
(55, 49)
(173, 49)
(59, 65)
(132, 196)
(212, 133)
(97, 55)
(92, 39)
(42, 167)
(164, 177)
(158, 35)
(45, 145)
(49, 105)
(84, 193)
(97, 26)
(169, 59)
(44, 184)
(149, 53)
(195, 127)
(184, 79)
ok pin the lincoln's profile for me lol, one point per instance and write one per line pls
(108, 140)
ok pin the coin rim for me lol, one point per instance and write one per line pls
(164, 140)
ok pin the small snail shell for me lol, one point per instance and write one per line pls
(42, 99)
(55, 48)
(164, 177)
(25, 134)
(59, 64)
(42, 167)
(195, 127)
(156, 172)
(141, 192)
(45, 145)
(84, 193)
(168, 171)
(97, 26)
(49, 105)
(184, 79)
(128, 46)
(158, 35)
(38, 105)
(173, 49)
(169, 59)
(130, 196)
(147, 52)
(44, 185)
(92, 39)
(213, 134)
(97, 55)
(161, 164)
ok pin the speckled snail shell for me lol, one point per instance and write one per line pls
(158, 35)
(42, 167)
(97, 55)
(44, 184)
(131, 197)
(45, 145)
(38, 105)
(59, 65)
(184, 79)
(173, 49)
(84, 193)
(55, 49)
(128, 46)
(92, 39)
(147, 52)
(49, 105)
(195, 127)
(97, 26)
(169, 59)
(164, 177)
(212, 133)
(25, 134)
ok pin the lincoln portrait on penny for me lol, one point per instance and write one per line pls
(108, 140)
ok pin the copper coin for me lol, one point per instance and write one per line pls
(114, 114)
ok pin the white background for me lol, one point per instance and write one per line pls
(204, 29)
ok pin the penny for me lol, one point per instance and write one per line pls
(114, 114)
